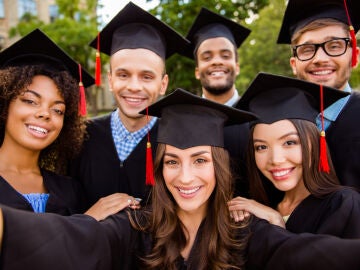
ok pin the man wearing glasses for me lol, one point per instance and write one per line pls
(325, 52)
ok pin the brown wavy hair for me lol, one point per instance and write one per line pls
(13, 82)
(221, 247)
(319, 184)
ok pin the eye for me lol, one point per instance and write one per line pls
(170, 162)
(259, 147)
(291, 142)
(59, 111)
(200, 160)
(29, 101)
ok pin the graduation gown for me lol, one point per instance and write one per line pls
(65, 194)
(48, 241)
(338, 214)
(343, 139)
(236, 138)
(99, 169)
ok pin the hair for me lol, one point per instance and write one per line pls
(319, 184)
(317, 24)
(220, 246)
(14, 81)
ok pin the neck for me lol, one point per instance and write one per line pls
(134, 124)
(18, 159)
(292, 199)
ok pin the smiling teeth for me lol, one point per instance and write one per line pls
(324, 72)
(188, 191)
(282, 173)
(134, 99)
(39, 129)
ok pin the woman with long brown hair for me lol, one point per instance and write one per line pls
(292, 180)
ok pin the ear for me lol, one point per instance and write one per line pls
(293, 65)
(237, 69)
(197, 73)
(164, 85)
(109, 80)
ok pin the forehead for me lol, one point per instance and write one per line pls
(215, 44)
(276, 129)
(137, 59)
(322, 34)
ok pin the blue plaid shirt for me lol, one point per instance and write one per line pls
(125, 141)
(333, 111)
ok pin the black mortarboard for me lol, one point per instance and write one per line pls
(134, 28)
(299, 13)
(211, 25)
(38, 48)
(273, 98)
(187, 120)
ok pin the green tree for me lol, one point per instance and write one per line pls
(260, 52)
(181, 14)
(74, 28)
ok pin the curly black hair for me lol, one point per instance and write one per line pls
(13, 82)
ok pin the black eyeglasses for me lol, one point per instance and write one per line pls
(333, 47)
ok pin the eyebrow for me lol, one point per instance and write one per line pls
(192, 155)
(39, 96)
(282, 137)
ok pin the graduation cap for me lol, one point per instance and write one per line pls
(273, 98)
(211, 25)
(134, 28)
(299, 13)
(37, 48)
(187, 120)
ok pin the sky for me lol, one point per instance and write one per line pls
(112, 7)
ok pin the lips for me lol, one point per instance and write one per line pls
(38, 129)
(188, 191)
(281, 174)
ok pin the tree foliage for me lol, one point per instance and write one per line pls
(181, 14)
(260, 52)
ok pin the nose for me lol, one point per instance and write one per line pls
(186, 174)
(277, 155)
(134, 84)
(43, 113)
(320, 56)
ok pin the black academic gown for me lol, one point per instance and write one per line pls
(338, 214)
(343, 138)
(236, 139)
(65, 195)
(99, 169)
(48, 241)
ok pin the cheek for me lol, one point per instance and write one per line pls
(260, 160)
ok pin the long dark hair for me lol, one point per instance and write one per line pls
(219, 248)
(13, 82)
(317, 183)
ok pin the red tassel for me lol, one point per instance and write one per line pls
(353, 46)
(98, 63)
(352, 36)
(82, 101)
(150, 181)
(323, 162)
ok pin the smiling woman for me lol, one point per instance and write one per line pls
(40, 123)
(292, 176)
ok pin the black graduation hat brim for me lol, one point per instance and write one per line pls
(299, 13)
(187, 120)
(211, 25)
(37, 47)
(274, 97)
(130, 16)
